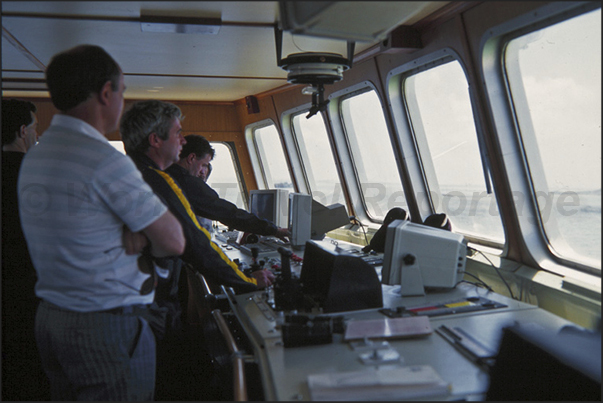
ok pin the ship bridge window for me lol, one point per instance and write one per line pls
(317, 159)
(118, 145)
(439, 108)
(372, 154)
(273, 166)
(224, 178)
(554, 78)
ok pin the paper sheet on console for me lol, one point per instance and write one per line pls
(388, 328)
(378, 384)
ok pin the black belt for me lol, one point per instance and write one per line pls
(127, 310)
(137, 309)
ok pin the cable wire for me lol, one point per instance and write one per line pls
(481, 282)
(361, 225)
(497, 271)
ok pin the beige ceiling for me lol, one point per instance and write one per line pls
(239, 61)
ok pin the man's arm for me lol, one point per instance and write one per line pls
(166, 236)
(205, 202)
(202, 254)
(134, 242)
(207, 258)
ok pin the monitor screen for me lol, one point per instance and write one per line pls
(300, 218)
(316, 271)
(327, 218)
(338, 281)
(262, 205)
(270, 204)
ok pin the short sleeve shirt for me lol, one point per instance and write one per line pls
(76, 193)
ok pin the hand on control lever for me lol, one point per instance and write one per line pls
(283, 234)
(264, 277)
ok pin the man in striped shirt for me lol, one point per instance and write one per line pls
(85, 211)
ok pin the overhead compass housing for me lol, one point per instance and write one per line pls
(313, 68)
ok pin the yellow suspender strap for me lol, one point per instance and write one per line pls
(193, 217)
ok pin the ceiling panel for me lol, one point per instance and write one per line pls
(240, 60)
(13, 59)
(195, 89)
(243, 11)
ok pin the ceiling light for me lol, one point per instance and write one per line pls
(180, 25)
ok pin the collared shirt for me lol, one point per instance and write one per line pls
(76, 193)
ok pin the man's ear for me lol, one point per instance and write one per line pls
(190, 158)
(105, 93)
(154, 140)
(22, 131)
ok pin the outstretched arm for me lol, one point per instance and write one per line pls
(205, 202)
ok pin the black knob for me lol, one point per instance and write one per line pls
(409, 259)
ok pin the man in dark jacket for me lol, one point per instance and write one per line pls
(22, 375)
(190, 173)
(152, 136)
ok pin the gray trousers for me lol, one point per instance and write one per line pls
(96, 356)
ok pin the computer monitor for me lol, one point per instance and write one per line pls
(418, 256)
(316, 270)
(300, 219)
(338, 281)
(271, 205)
(327, 218)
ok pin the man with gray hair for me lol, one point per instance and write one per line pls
(152, 136)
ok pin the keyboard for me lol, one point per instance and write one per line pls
(274, 243)
(227, 236)
(263, 249)
(373, 260)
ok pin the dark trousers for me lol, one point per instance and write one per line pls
(22, 375)
(23, 378)
(184, 370)
(96, 355)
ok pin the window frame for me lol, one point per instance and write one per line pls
(420, 169)
(501, 108)
(332, 145)
(254, 152)
(258, 157)
(336, 117)
(237, 169)
(421, 143)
